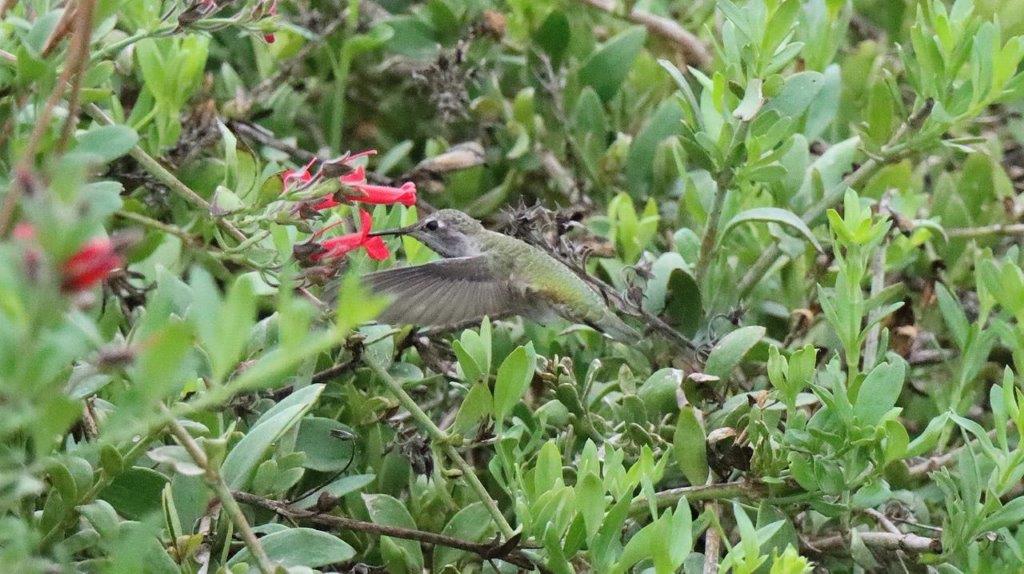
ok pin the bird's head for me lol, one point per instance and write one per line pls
(448, 232)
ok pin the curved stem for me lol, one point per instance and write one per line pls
(220, 488)
(442, 438)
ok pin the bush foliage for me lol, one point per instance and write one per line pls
(821, 195)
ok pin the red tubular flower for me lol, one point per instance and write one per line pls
(386, 195)
(339, 246)
(90, 265)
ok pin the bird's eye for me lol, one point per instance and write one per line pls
(431, 225)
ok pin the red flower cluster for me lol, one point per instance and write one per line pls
(338, 247)
(357, 189)
(361, 190)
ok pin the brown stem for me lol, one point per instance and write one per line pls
(998, 229)
(693, 49)
(883, 521)
(709, 492)
(712, 540)
(78, 58)
(5, 6)
(60, 30)
(486, 550)
(23, 168)
(879, 540)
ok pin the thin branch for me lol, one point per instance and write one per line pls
(187, 238)
(263, 136)
(23, 168)
(712, 540)
(5, 6)
(216, 483)
(693, 49)
(486, 550)
(718, 491)
(883, 520)
(60, 30)
(78, 58)
(722, 183)
(997, 229)
(938, 461)
(165, 177)
(877, 284)
(878, 540)
(444, 441)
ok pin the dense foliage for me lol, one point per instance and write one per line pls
(820, 196)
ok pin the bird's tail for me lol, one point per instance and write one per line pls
(617, 329)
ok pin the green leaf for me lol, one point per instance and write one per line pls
(689, 445)
(1011, 514)
(658, 392)
(591, 502)
(338, 488)
(773, 215)
(135, 493)
(514, 376)
(728, 352)
(664, 123)
(240, 463)
(390, 511)
(299, 547)
(953, 314)
(107, 142)
(608, 67)
(234, 323)
(324, 451)
(475, 407)
(879, 391)
(472, 523)
(553, 35)
(797, 94)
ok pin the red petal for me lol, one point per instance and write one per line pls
(365, 223)
(90, 265)
(289, 176)
(326, 203)
(336, 247)
(355, 177)
(376, 248)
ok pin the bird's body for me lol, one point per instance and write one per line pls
(487, 273)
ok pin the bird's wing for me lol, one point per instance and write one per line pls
(446, 292)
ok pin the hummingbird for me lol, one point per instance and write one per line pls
(486, 273)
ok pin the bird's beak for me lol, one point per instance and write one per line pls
(397, 231)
